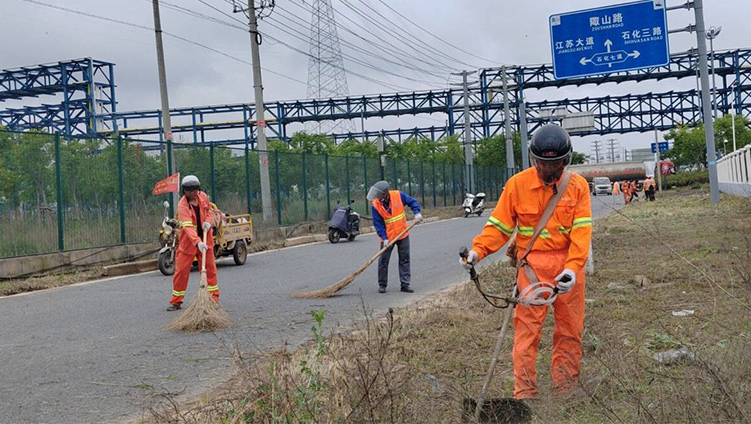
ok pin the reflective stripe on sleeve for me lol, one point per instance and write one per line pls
(212, 288)
(187, 224)
(500, 226)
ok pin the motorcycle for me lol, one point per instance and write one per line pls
(474, 204)
(345, 222)
(168, 241)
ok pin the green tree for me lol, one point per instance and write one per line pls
(723, 129)
(689, 146)
(578, 158)
(492, 151)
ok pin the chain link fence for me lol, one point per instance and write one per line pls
(58, 194)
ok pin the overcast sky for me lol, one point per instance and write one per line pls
(499, 32)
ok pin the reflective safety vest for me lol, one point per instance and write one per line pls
(396, 220)
(616, 188)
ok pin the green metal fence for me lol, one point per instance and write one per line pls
(59, 194)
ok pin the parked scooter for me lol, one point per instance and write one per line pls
(345, 223)
(474, 204)
(168, 241)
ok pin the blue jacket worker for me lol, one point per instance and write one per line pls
(390, 220)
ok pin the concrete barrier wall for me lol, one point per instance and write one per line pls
(738, 189)
(86, 258)
(734, 172)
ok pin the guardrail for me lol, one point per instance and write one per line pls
(734, 172)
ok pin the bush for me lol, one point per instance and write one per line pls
(689, 178)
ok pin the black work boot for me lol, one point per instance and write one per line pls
(381, 289)
(407, 289)
(173, 307)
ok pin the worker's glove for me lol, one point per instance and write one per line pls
(206, 226)
(566, 280)
(385, 242)
(202, 247)
(471, 260)
(418, 217)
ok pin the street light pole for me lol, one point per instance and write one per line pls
(711, 35)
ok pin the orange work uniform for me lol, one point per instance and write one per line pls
(188, 247)
(563, 244)
(616, 188)
(395, 219)
(626, 189)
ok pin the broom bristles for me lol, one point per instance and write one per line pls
(332, 289)
(203, 313)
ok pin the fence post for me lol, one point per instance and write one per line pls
(346, 172)
(121, 188)
(422, 182)
(247, 175)
(409, 177)
(453, 185)
(59, 182)
(278, 190)
(396, 177)
(211, 165)
(304, 186)
(443, 184)
(365, 167)
(434, 199)
(328, 186)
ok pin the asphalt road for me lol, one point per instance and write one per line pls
(97, 352)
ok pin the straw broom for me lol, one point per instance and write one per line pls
(332, 289)
(203, 314)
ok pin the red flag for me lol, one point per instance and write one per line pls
(170, 184)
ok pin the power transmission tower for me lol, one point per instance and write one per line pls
(326, 75)
(469, 180)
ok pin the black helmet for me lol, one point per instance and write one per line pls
(551, 143)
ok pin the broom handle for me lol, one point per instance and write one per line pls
(380, 252)
(203, 258)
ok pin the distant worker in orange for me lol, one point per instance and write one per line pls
(649, 189)
(559, 255)
(634, 190)
(626, 190)
(616, 188)
(194, 215)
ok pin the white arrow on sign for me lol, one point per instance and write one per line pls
(635, 54)
(584, 61)
(608, 44)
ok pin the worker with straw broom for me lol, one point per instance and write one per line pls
(195, 217)
(390, 220)
(559, 255)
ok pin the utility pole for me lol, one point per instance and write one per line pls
(611, 148)
(596, 148)
(263, 157)
(507, 116)
(381, 155)
(714, 191)
(468, 153)
(166, 121)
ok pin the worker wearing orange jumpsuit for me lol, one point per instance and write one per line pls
(559, 254)
(626, 189)
(194, 215)
(616, 188)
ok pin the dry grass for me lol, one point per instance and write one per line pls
(418, 363)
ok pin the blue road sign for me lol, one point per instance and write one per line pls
(663, 145)
(621, 37)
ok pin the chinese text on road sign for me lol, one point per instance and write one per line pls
(663, 145)
(609, 39)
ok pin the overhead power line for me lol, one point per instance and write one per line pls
(144, 27)
(433, 35)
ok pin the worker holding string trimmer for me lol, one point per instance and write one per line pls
(550, 209)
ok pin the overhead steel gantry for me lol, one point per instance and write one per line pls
(88, 102)
(612, 114)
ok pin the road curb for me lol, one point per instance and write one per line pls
(129, 268)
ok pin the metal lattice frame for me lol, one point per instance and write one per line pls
(326, 76)
(613, 114)
(87, 87)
